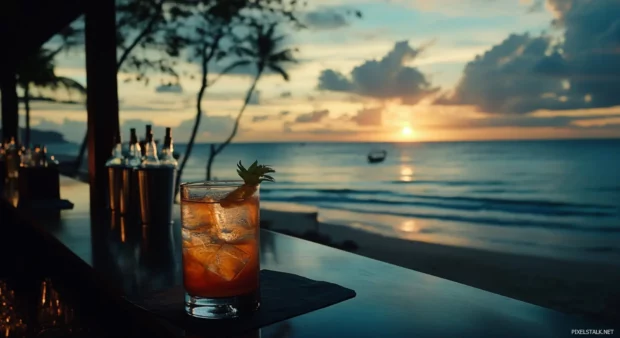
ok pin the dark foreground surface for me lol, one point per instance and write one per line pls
(96, 263)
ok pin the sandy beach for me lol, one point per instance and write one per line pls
(573, 287)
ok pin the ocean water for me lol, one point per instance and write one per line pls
(551, 198)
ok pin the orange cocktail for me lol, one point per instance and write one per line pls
(220, 248)
(220, 231)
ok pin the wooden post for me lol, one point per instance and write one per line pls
(102, 100)
(8, 67)
(8, 86)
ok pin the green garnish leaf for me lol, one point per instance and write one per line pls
(255, 174)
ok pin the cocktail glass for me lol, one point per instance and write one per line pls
(220, 250)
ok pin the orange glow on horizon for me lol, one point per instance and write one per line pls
(406, 131)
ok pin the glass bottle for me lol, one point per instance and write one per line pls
(149, 131)
(117, 158)
(167, 152)
(28, 156)
(12, 158)
(41, 160)
(2, 151)
(150, 152)
(134, 158)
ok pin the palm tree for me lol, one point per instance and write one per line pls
(38, 71)
(265, 53)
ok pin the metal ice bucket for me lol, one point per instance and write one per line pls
(115, 185)
(129, 192)
(156, 190)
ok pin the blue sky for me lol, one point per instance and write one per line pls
(408, 70)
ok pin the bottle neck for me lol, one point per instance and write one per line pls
(168, 145)
(167, 154)
(150, 153)
(117, 157)
(134, 158)
(118, 150)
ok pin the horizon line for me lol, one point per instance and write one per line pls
(427, 141)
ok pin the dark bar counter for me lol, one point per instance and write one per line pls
(110, 259)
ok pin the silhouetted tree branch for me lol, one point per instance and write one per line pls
(263, 51)
(209, 26)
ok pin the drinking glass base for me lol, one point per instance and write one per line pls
(221, 308)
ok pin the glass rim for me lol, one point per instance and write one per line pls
(212, 184)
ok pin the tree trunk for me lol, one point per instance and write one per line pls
(216, 150)
(210, 161)
(147, 30)
(27, 108)
(80, 157)
(192, 138)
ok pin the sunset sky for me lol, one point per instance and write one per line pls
(409, 70)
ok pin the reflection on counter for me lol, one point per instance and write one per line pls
(145, 256)
(11, 321)
(10, 192)
(52, 311)
(24, 313)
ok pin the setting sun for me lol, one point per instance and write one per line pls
(406, 131)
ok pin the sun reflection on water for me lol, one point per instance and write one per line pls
(409, 226)
(406, 173)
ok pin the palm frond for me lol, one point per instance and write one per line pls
(229, 68)
(276, 68)
(234, 65)
(71, 86)
(246, 51)
(282, 56)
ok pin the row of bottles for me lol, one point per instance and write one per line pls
(14, 156)
(36, 157)
(144, 155)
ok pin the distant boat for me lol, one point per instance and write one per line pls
(377, 156)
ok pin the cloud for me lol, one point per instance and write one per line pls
(591, 48)
(287, 126)
(330, 130)
(480, 8)
(270, 117)
(169, 88)
(212, 128)
(388, 78)
(523, 74)
(536, 6)
(369, 117)
(509, 78)
(499, 121)
(260, 118)
(324, 129)
(324, 19)
(312, 117)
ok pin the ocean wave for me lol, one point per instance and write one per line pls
(502, 191)
(606, 189)
(512, 241)
(602, 249)
(451, 183)
(491, 221)
(532, 206)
